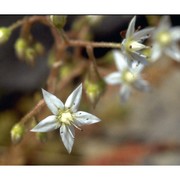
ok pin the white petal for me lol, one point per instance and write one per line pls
(135, 46)
(143, 34)
(174, 52)
(74, 99)
(84, 118)
(47, 124)
(66, 136)
(139, 58)
(52, 102)
(136, 67)
(120, 60)
(156, 52)
(113, 78)
(142, 85)
(125, 92)
(175, 33)
(131, 27)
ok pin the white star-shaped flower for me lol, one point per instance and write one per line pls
(127, 76)
(65, 116)
(165, 40)
(132, 44)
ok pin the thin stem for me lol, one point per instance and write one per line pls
(15, 25)
(44, 20)
(77, 43)
(34, 111)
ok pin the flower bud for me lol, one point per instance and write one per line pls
(4, 34)
(94, 84)
(147, 52)
(17, 133)
(30, 55)
(39, 48)
(42, 137)
(20, 47)
(58, 21)
(93, 20)
(94, 90)
(65, 70)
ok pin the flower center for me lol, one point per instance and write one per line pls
(164, 38)
(128, 77)
(65, 117)
(131, 45)
(128, 45)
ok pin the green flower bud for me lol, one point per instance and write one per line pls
(58, 21)
(65, 70)
(147, 52)
(94, 84)
(17, 133)
(39, 48)
(20, 47)
(42, 137)
(5, 34)
(93, 20)
(30, 55)
(94, 90)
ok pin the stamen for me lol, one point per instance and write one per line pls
(70, 133)
(76, 127)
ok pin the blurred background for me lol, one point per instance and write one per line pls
(144, 131)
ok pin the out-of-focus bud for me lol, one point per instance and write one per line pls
(65, 70)
(147, 52)
(42, 137)
(20, 47)
(94, 90)
(30, 55)
(39, 48)
(94, 85)
(58, 21)
(5, 34)
(17, 133)
(93, 20)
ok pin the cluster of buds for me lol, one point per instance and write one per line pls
(28, 50)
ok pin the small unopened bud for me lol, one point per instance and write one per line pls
(30, 55)
(17, 133)
(147, 53)
(39, 48)
(94, 90)
(65, 70)
(5, 33)
(58, 21)
(94, 84)
(42, 137)
(93, 20)
(20, 47)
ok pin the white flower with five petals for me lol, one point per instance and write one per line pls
(165, 40)
(65, 116)
(127, 76)
(132, 44)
